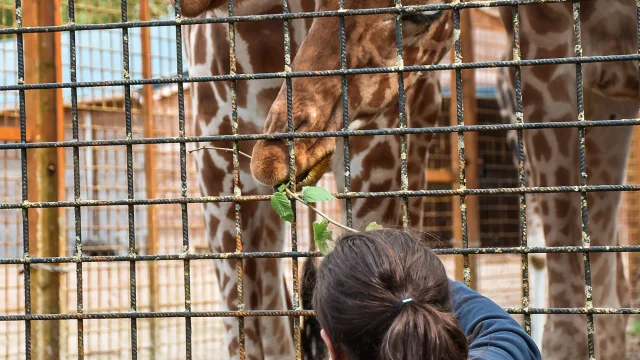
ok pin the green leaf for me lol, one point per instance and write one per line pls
(316, 194)
(373, 226)
(321, 234)
(281, 204)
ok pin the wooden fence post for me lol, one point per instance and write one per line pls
(150, 171)
(43, 175)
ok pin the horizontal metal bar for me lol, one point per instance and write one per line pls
(324, 73)
(149, 315)
(307, 254)
(317, 134)
(352, 195)
(248, 313)
(288, 16)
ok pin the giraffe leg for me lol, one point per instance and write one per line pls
(262, 279)
(607, 153)
(555, 162)
(506, 98)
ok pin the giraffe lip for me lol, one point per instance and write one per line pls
(313, 175)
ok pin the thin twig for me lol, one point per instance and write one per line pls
(296, 197)
(46, 267)
(219, 148)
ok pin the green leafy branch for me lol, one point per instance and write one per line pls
(311, 194)
(281, 203)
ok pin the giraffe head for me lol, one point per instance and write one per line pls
(317, 102)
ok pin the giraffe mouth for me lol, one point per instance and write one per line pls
(313, 175)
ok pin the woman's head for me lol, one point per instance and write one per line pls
(359, 303)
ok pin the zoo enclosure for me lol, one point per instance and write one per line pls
(107, 173)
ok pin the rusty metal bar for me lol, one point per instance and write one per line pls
(76, 183)
(522, 181)
(584, 214)
(186, 251)
(133, 315)
(150, 172)
(303, 135)
(325, 73)
(402, 113)
(236, 181)
(39, 56)
(634, 240)
(351, 195)
(126, 74)
(464, 157)
(344, 96)
(290, 16)
(292, 178)
(285, 254)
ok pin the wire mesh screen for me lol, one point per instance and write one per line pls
(105, 251)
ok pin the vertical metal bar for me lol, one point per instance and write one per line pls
(586, 237)
(24, 184)
(462, 164)
(236, 177)
(42, 174)
(456, 216)
(345, 117)
(522, 181)
(130, 185)
(292, 176)
(634, 257)
(76, 181)
(150, 172)
(404, 176)
(470, 116)
(183, 189)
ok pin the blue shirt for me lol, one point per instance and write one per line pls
(497, 335)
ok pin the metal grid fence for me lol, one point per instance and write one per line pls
(127, 203)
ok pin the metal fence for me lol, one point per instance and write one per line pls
(123, 230)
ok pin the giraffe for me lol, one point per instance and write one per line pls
(259, 48)
(261, 103)
(549, 95)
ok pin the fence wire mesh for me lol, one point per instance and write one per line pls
(129, 266)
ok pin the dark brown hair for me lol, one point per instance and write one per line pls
(358, 300)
